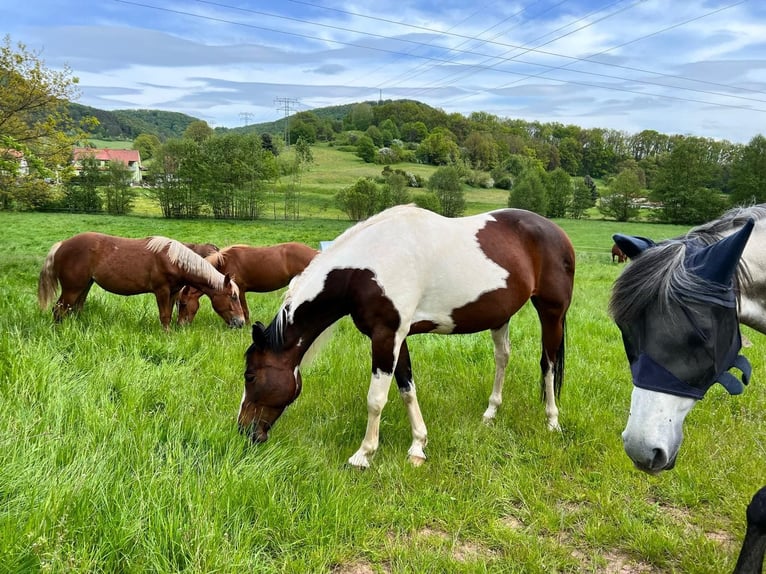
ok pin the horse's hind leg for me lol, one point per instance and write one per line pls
(403, 376)
(71, 299)
(502, 352)
(552, 359)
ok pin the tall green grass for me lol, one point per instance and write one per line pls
(119, 450)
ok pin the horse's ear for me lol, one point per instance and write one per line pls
(718, 262)
(631, 245)
(259, 335)
(226, 280)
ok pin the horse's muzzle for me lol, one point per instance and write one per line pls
(237, 322)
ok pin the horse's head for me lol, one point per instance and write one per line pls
(188, 304)
(272, 382)
(226, 303)
(680, 340)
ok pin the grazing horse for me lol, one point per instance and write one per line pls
(128, 267)
(406, 271)
(678, 305)
(618, 254)
(257, 269)
(202, 249)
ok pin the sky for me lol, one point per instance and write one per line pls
(678, 67)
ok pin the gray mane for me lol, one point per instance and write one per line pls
(659, 276)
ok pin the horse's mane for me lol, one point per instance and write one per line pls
(659, 274)
(186, 259)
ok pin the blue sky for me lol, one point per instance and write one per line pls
(695, 68)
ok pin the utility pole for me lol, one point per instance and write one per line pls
(286, 104)
(246, 116)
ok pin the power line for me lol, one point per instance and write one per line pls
(389, 51)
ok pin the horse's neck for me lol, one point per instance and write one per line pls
(303, 330)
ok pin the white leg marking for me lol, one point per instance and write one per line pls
(416, 453)
(502, 352)
(377, 397)
(551, 411)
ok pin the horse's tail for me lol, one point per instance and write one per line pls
(48, 281)
(558, 364)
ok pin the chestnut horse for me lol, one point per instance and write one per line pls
(128, 267)
(255, 269)
(406, 271)
(618, 254)
(202, 249)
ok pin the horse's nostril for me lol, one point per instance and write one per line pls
(660, 459)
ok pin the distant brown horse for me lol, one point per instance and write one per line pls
(202, 249)
(256, 269)
(131, 266)
(618, 254)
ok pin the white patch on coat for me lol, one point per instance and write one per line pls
(425, 263)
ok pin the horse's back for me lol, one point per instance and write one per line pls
(429, 266)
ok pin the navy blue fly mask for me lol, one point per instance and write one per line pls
(684, 349)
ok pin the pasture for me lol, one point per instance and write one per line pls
(119, 450)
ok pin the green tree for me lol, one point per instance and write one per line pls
(619, 201)
(559, 187)
(528, 192)
(445, 183)
(439, 148)
(748, 173)
(481, 150)
(582, 199)
(118, 193)
(34, 112)
(414, 132)
(176, 175)
(198, 131)
(360, 200)
(365, 148)
(81, 193)
(147, 145)
(361, 116)
(682, 181)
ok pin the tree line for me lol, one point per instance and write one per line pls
(549, 168)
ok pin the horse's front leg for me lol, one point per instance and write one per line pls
(502, 352)
(403, 376)
(377, 397)
(164, 305)
(384, 356)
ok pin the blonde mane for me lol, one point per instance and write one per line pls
(186, 259)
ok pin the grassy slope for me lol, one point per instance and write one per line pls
(118, 448)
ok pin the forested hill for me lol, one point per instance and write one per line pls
(127, 124)
(332, 113)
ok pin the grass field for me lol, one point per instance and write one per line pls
(119, 450)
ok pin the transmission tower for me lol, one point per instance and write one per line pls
(245, 116)
(286, 104)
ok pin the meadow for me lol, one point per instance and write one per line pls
(119, 450)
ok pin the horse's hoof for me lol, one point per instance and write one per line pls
(487, 420)
(359, 462)
(417, 460)
(554, 427)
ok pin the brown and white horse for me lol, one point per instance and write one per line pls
(255, 269)
(131, 266)
(407, 271)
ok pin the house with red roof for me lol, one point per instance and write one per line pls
(130, 157)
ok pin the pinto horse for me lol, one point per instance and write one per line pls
(128, 267)
(255, 269)
(406, 271)
(679, 305)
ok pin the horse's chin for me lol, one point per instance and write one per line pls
(670, 465)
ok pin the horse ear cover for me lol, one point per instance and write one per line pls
(632, 246)
(259, 334)
(718, 262)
